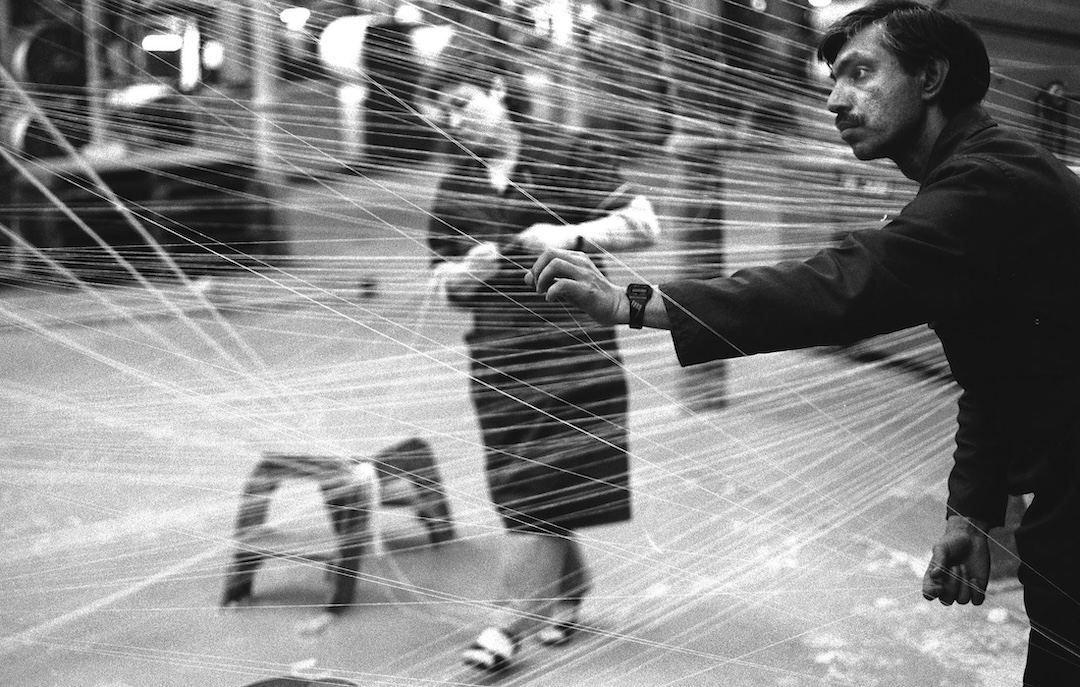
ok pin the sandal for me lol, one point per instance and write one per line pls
(492, 651)
(560, 628)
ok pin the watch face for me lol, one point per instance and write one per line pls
(638, 291)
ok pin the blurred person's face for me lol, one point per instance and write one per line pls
(477, 119)
(880, 109)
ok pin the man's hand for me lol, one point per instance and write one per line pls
(959, 565)
(571, 277)
(541, 236)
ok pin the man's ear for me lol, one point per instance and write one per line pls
(934, 75)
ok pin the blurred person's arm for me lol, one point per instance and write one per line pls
(461, 263)
(633, 226)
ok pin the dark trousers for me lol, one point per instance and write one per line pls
(1048, 541)
(1054, 643)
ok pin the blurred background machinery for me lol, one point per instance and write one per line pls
(166, 100)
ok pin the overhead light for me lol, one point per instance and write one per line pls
(190, 64)
(162, 42)
(429, 41)
(340, 45)
(408, 13)
(295, 17)
(820, 3)
(213, 55)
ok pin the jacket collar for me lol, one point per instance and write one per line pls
(964, 124)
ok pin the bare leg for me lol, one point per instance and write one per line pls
(574, 584)
(533, 574)
(576, 581)
(534, 570)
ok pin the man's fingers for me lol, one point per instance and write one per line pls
(562, 290)
(977, 586)
(555, 269)
(559, 268)
(950, 576)
(978, 592)
(974, 588)
(532, 275)
(936, 575)
(535, 276)
(938, 569)
(930, 587)
(556, 263)
(939, 582)
(956, 585)
(963, 585)
(953, 586)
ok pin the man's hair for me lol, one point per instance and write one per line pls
(916, 33)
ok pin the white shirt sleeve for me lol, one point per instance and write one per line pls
(632, 227)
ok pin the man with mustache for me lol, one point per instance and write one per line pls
(985, 254)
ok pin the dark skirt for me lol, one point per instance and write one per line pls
(554, 428)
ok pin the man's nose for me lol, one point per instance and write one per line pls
(837, 101)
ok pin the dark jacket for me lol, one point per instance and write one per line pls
(986, 254)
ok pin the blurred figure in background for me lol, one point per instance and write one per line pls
(547, 385)
(487, 41)
(1052, 111)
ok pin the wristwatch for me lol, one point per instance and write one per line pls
(639, 295)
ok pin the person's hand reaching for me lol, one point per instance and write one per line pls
(571, 277)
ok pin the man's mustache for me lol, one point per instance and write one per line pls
(848, 121)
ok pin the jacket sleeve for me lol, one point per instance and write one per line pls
(945, 257)
(939, 256)
(978, 486)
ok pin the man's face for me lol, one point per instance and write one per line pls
(879, 107)
(478, 120)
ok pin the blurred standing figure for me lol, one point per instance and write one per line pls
(1053, 117)
(488, 41)
(985, 254)
(548, 388)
